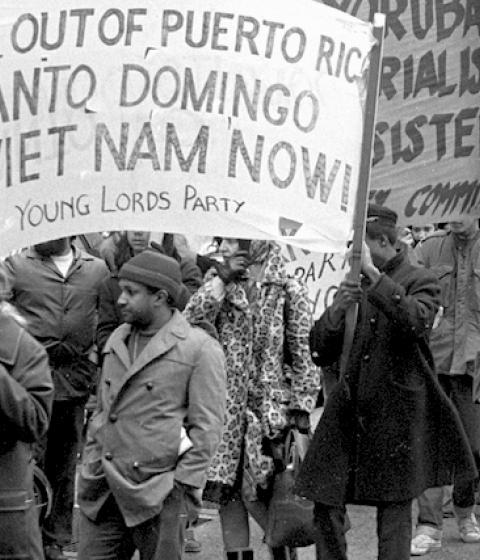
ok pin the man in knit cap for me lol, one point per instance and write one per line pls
(158, 422)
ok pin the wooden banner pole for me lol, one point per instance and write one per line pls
(373, 85)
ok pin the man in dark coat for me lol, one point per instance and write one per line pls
(54, 285)
(26, 395)
(388, 430)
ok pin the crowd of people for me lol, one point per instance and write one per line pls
(198, 365)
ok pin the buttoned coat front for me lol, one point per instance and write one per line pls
(133, 439)
(388, 431)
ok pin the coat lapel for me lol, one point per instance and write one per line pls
(161, 343)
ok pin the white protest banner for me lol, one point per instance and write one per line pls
(321, 273)
(241, 119)
(427, 144)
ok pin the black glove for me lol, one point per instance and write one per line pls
(300, 420)
(234, 268)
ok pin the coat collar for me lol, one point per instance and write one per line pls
(392, 264)
(10, 334)
(176, 329)
(78, 254)
(79, 257)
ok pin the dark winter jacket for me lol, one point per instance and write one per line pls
(388, 431)
(61, 313)
(26, 393)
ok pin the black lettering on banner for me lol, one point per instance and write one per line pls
(26, 95)
(425, 72)
(250, 34)
(125, 101)
(302, 41)
(134, 202)
(272, 30)
(193, 201)
(282, 112)
(408, 139)
(20, 24)
(276, 180)
(18, 153)
(441, 16)
(208, 91)
(27, 156)
(254, 164)
(170, 87)
(119, 155)
(62, 132)
(35, 214)
(468, 82)
(6, 147)
(250, 102)
(335, 59)
(319, 175)
(219, 30)
(92, 80)
(204, 27)
(171, 142)
(462, 130)
(50, 31)
(30, 95)
(82, 14)
(146, 134)
(379, 196)
(237, 144)
(55, 78)
(200, 146)
(443, 198)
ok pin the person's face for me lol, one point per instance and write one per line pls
(228, 247)
(406, 236)
(136, 303)
(378, 250)
(420, 233)
(138, 240)
(53, 248)
(465, 225)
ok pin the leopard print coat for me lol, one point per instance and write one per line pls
(261, 388)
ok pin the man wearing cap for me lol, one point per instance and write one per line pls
(388, 430)
(161, 378)
(454, 258)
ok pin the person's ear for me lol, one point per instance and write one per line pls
(161, 296)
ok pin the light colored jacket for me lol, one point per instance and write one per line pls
(133, 438)
(455, 342)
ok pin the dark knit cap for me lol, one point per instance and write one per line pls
(381, 215)
(155, 270)
(244, 244)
